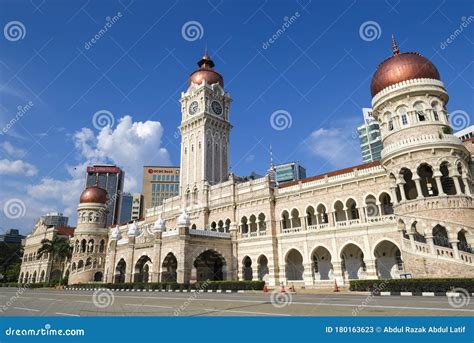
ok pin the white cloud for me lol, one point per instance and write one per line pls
(338, 147)
(12, 151)
(131, 145)
(9, 167)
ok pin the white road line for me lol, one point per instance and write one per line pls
(67, 314)
(46, 299)
(26, 309)
(214, 310)
(263, 301)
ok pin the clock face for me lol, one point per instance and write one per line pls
(193, 107)
(216, 107)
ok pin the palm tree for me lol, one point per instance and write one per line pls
(56, 247)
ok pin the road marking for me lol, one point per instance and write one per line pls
(47, 299)
(213, 310)
(67, 314)
(26, 309)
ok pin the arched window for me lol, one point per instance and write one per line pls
(195, 196)
(244, 227)
(322, 215)
(339, 212)
(188, 198)
(227, 225)
(427, 183)
(253, 223)
(409, 186)
(390, 121)
(440, 236)
(310, 216)
(436, 109)
(213, 226)
(285, 220)
(220, 226)
(446, 180)
(402, 112)
(352, 211)
(420, 113)
(295, 218)
(262, 225)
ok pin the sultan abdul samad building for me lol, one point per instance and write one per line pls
(410, 213)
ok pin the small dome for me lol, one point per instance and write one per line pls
(94, 194)
(115, 236)
(160, 225)
(402, 67)
(133, 230)
(183, 219)
(206, 72)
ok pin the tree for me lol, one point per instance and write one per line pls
(58, 247)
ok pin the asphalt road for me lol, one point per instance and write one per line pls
(45, 302)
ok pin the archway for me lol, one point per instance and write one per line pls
(295, 218)
(210, 265)
(168, 268)
(372, 209)
(310, 216)
(42, 275)
(262, 269)
(447, 181)
(98, 277)
(440, 236)
(462, 244)
(120, 269)
(285, 220)
(353, 265)
(143, 268)
(387, 260)
(409, 186)
(352, 211)
(322, 215)
(321, 263)
(427, 183)
(294, 265)
(247, 272)
(386, 204)
(339, 213)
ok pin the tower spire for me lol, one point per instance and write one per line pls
(394, 46)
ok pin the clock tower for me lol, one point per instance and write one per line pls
(204, 131)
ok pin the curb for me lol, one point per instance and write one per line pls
(164, 290)
(420, 294)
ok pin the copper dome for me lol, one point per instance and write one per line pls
(206, 72)
(94, 194)
(402, 67)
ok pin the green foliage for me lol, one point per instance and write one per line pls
(10, 261)
(201, 285)
(412, 285)
(447, 130)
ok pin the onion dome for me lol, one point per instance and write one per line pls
(133, 230)
(402, 67)
(115, 236)
(206, 72)
(183, 219)
(160, 225)
(94, 194)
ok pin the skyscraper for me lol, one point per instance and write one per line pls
(55, 219)
(159, 183)
(110, 178)
(369, 137)
(287, 172)
(126, 207)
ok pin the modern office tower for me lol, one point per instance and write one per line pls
(369, 137)
(137, 206)
(109, 177)
(159, 183)
(55, 219)
(287, 172)
(126, 208)
(466, 133)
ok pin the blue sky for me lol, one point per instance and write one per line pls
(318, 71)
